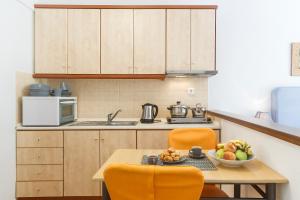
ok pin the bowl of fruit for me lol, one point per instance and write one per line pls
(234, 153)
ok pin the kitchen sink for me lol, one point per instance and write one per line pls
(122, 123)
(104, 123)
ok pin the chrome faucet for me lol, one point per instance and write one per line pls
(111, 116)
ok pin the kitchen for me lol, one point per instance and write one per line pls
(103, 95)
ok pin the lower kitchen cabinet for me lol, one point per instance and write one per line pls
(39, 189)
(81, 161)
(152, 139)
(112, 140)
(40, 139)
(62, 163)
(39, 156)
(40, 173)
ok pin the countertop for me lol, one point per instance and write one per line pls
(157, 125)
(288, 134)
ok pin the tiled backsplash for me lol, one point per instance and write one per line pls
(97, 98)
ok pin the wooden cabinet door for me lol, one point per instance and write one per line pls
(149, 41)
(39, 189)
(202, 39)
(81, 161)
(40, 172)
(83, 41)
(153, 139)
(117, 41)
(51, 41)
(178, 40)
(39, 139)
(112, 140)
(39, 156)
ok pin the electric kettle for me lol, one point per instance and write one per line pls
(150, 111)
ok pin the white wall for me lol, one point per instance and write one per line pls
(253, 53)
(279, 155)
(15, 54)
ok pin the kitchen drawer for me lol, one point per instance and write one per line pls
(39, 156)
(40, 189)
(39, 139)
(39, 172)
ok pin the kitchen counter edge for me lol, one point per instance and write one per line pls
(163, 125)
(268, 127)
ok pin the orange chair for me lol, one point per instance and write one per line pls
(149, 182)
(185, 138)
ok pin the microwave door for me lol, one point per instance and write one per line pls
(67, 111)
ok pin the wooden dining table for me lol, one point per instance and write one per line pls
(253, 173)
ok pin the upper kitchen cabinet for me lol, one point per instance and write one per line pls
(51, 41)
(117, 41)
(190, 40)
(124, 42)
(203, 39)
(149, 41)
(178, 40)
(84, 41)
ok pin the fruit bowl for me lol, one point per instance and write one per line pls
(230, 163)
(234, 153)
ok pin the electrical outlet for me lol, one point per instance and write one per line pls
(191, 91)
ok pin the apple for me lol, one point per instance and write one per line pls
(229, 156)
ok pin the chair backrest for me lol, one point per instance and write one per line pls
(145, 182)
(185, 138)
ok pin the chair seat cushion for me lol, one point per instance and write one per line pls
(210, 190)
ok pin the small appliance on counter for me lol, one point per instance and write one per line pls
(199, 111)
(189, 120)
(48, 111)
(179, 114)
(44, 90)
(150, 111)
(179, 110)
(39, 90)
(63, 91)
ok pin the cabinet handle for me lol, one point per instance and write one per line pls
(38, 173)
(38, 189)
(102, 139)
(38, 139)
(96, 139)
(39, 156)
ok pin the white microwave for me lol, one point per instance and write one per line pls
(48, 111)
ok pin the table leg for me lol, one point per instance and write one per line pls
(269, 194)
(237, 190)
(105, 194)
(271, 191)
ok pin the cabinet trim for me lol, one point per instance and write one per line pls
(63, 6)
(101, 76)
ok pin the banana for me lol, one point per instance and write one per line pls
(249, 151)
(239, 144)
